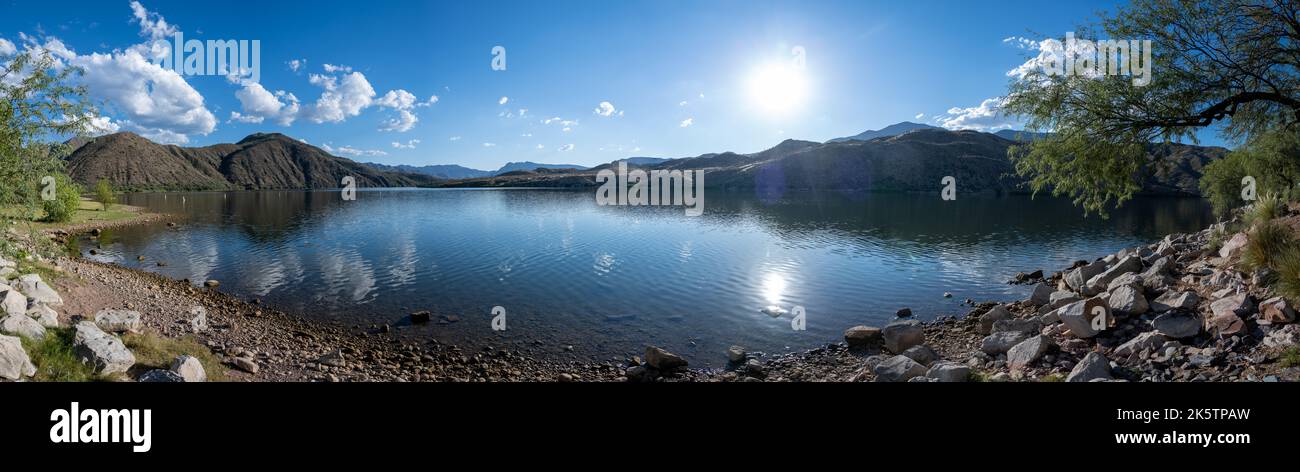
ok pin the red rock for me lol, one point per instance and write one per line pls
(1276, 310)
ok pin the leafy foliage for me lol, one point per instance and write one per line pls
(104, 194)
(67, 199)
(1271, 159)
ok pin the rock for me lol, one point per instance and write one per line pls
(212, 283)
(945, 371)
(1000, 377)
(103, 351)
(1077, 279)
(998, 343)
(14, 363)
(736, 354)
(663, 360)
(863, 336)
(903, 312)
(1126, 300)
(38, 291)
(898, 369)
(1079, 317)
(754, 368)
(118, 321)
(1130, 279)
(44, 315)
(901, 335)
(1099, 282)
(12, 301)
(1041, 295)
(1225, 325)
(1149, 340)
(1160, 267)
(995, 314)
(1026, 352)
(159, 375)
(636, 373)
(22, 325)
(1285, 336)
(1063, 298)
(1238, 305)
(1232, 249)
(333, 358)
(1027, 326)
(199, 320)
(245, 364)
(922, 354)
(1276, 310)
(1177, 326)
(6, 263)
(1174, 300)
(1093, 366)
(421, 317)
(190, 369)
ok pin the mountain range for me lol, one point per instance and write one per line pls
(900, 157)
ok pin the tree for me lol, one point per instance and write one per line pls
(1228, 63)
(67, 198)
(104, 194)
(38, 104)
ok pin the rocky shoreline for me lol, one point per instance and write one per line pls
(1173, 310)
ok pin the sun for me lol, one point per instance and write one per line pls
(778, 88)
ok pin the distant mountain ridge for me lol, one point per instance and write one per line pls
(259, 161)
(888, 131)
(454, 171)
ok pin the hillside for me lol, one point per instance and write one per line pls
(259, 161)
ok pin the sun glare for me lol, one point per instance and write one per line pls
(777, 87)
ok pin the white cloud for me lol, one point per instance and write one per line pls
(526, 135)
(331, 68)
(432, 100)
(351, 151)
(7, 47)
(153, 99)
(503, 100)
(567, 129)
(409, 144)
(454, 138)
(1021, 42)
(606, 109)
(341, 99)
(566, 147)
(404, 122)
(489, 144)
(152, 25)
(985, 117)
(258, 104)
(297, 64)
(100, 125)
(541, 147)
(919, 116)
(237, 117)
(687, 122)
(398, 99)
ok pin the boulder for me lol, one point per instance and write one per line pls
(118, 321)
(1285, 336)
(198, 320)
(921, 353)
(1225, 325)
(1148, 340)
(945, 371)
(1028, 351)
(1177, 325)
(44, 315)
(38, 291)
(1170, 300)
(14, 363)
(103, 351)
(1027, 326)
(903, 312)
(1232, 249)
(1131, 279)
(663, 360)
(160, 375)
(995, 314)
(901, 335)
(1093, 366)
(1238, 305)
(1063, 298)
(1041, 295)
(736, 354)
(1127, 300)
(1276, 310)
(898, 369)
(190, 369)
(1079, 317)
(998, 343)
(12, 302)
(1099, 282)
(22, 325)
(863, 336)
(1078, 278)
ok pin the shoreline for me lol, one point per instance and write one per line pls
(988, 343)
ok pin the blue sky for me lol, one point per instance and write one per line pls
(658, 63)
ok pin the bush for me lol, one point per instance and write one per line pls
(104, 194)
(1266, 242)
(1270, 159)
(67, 198)
(1287, 265)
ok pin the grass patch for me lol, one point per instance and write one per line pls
(87, 212)
(1288, 273)
(156, 352)
(1265, 209)
(1265, 243)
(1290, 357)
(1217, 237)
(55, 359)
(980, 376)
(1052, 378)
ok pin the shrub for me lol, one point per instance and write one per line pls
(1287, 265)
(104, 194)
(67, 198)
(1267, 241)
(1270, 159)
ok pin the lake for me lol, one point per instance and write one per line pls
(583, 281)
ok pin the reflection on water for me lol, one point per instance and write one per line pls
(610, 279)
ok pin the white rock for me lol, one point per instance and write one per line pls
(1078, 317)
(1094, 366)
(22, 325)
(1041, 295)
(44, 315)
(14, 363)
(190, 369)
(118, 321)
(898, 369)
(1171, 300)
(946, 371)
(1127, 300)
(901, 335)
(103, 351)
(1028, 351)
(12, 302)
(995, 314)
(39, 291)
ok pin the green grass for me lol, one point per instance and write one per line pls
(1290, 357)
(156, 352)
(1266, 241)
(980, 376)
(55, 359)
(1052, 378)
(87, 212)
(1265, 209)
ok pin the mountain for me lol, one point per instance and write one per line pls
(441, 171)
(915, 161)
(513, 166)
(645, 161)
(891, 130)
(259, 161)
(1020, 136)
